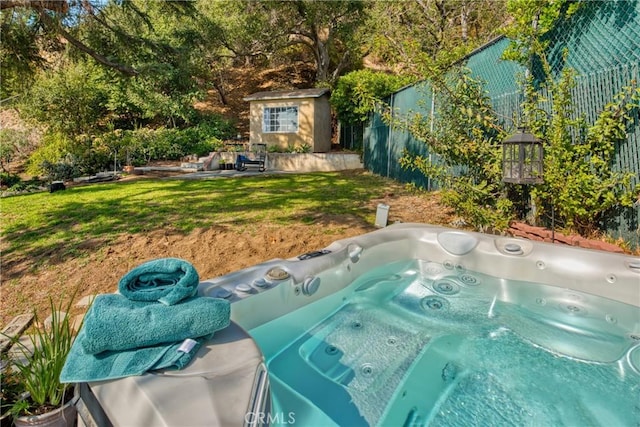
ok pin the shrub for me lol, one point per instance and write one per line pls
(63, 156)
(33, 184)
(8, 179)
(71, 100)
(213, 125)
(61, 171)
(206, 135)
(357, 93)
(302, 148)
(580, 183)
(143, 145)
(7, 149)
(18, 144)
(467, 139)
(274, 149)
(53, 157)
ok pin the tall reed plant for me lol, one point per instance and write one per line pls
(40, 363)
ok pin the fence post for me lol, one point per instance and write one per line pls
(390, 134)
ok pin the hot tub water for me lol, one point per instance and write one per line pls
(424, 343)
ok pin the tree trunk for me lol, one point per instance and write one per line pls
(322, 61)
(464, 23)
(222, 92)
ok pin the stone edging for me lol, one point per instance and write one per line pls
(542, 234)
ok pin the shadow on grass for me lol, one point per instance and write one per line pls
(82, 219)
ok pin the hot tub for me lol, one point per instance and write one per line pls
(409, 325)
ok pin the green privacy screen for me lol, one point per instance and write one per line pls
(384, 144)
(602, 41)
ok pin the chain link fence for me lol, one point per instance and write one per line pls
(602, 44)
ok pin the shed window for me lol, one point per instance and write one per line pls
(280, 119)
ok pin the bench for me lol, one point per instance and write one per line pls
(256, 156)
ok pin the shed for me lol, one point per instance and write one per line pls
(291, 118)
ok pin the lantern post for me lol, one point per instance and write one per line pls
(522, 163)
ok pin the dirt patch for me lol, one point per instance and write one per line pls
(240, 82)
(213, 251)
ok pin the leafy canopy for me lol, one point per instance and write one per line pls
(357, 93)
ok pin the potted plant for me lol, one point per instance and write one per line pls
(45, 401)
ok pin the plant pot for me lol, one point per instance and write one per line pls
(64, 416)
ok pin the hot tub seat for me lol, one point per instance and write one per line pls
(225, 381)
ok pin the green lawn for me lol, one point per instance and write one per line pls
(43, 223)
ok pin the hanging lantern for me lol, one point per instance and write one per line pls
(522, 158)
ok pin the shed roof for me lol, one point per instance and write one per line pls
(287, 94)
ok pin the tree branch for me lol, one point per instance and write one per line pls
(344, 61)
(301, 33)
(39, 5)
(89, 8)
(295, 38)
(128, 71)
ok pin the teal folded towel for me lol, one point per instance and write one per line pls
(114, 323)
(166, 280)
(156, 322)
(81, 366)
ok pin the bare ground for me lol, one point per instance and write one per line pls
(28, 283)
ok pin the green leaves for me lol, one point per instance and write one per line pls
(71, 101)
(356, 94)
(39, 370)
(327, 31)
(581, 183)
(426, 37)
(466, 138)
(532, 19)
